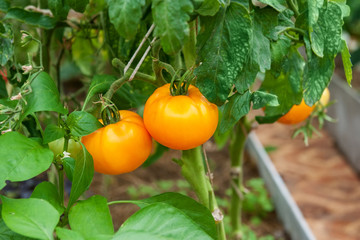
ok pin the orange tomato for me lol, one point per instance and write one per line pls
(120, 147)
(180, 122)
(325, 97)
(297, 113)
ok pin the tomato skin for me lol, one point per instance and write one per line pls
(297, 113)
(325, 97)
(57, 147)
(120, 147)
(180, 122)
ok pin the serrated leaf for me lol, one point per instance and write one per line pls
(318, 70)
(82, 123)
(237, 107)
(194, 210)
(77, 5)
(30, 217)
(170, 18)
(346, 10)
(126, 15)
(279, 5)
(91, 217)
(48, 192)
(32, 18)
(260, 99)
(44, 96)
(160, 221)
(223, 47)
(346, 59)
(53, 132)
(21, 158)
(82, 176)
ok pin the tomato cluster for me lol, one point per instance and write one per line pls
(179, 122)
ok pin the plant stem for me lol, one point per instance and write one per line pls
(237, 147)
(189, 49)
(60, 168)
(192, 168)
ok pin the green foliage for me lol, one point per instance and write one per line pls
(53, 132)
(6, 39)
(23, 216)
(32, 18)
(82, 123)
(48, 192)
(22, 159)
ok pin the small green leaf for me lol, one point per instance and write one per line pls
(21, 158)
(4, 5)
(53, 132)
(32, 18)
(6, 46)
(126, 16)
(77, 5)
(69, 166)
(223, 47)
(99, 84)
(237, 107)
(67, 234)
(82, 123)
(59, 9)
(82, 176)
(279, 5)
(160, 221)
(346, 58)
(261, 99)
(44, 96)
(170, 18)
(91, 217)
(30, 217)
(48, 192)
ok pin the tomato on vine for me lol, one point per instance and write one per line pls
(119, 147)
(180, 122)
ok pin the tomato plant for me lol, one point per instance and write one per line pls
(115, 147)
(180, 122)
(69, 63)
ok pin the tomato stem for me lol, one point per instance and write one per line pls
(193, 170)
(237, 147)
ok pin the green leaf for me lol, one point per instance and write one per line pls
(32, 18)
(48, 192)
(237, 107)
(82, 176)
(208, 7)
(3, 91)
(279, 5)
(223, 48)
(170, 18)
(260, 99)
(69, 166)
(91, 217)
(126, 16)
(59, 9)
(43, 97)
(53, 132)
(82, 53)
(6, 233)
(160, 221)
(315, 32)
(77, 5)
(6, 46)
(4, 5)
(191, 208)
(346, 58)
(30, 217)
(318, 71)
(346, 10)
(67, 234)
(82, 123)
(21, 158)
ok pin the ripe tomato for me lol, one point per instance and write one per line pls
(57, 147)
(180, 122)
(120, 147)
(325, 97)
(297, 113)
